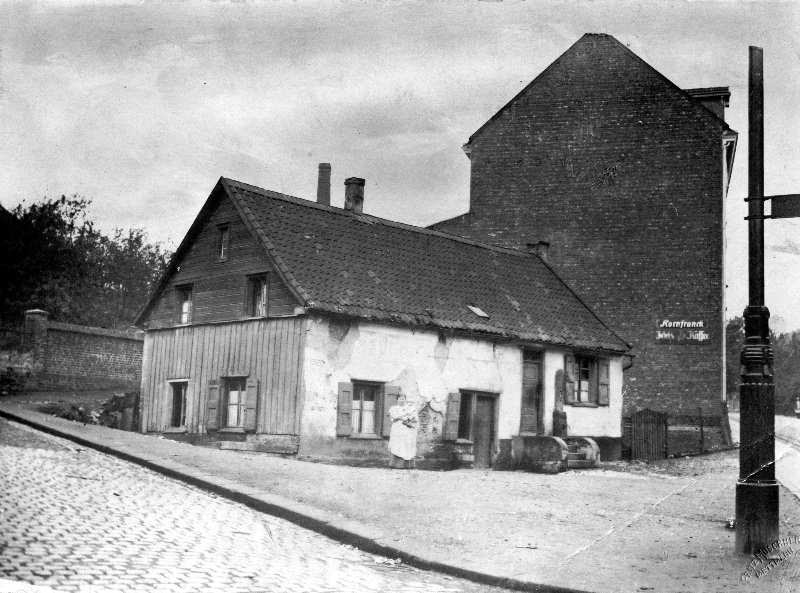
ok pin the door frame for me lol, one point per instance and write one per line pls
(473, 395)
(540, 419)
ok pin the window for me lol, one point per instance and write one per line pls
(365, 407)
(235, 402)
(584, 366)
(223, 242)
(586, 380)
(257, 296)
(465, 417)
(178, 415)
(184, 303)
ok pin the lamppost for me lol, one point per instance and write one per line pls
(756, 489)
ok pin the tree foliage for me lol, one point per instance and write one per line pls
(55, 259)
(786, 366)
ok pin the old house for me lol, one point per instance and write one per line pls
(291, 326)
(621, 176)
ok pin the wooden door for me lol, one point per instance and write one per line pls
(531, 415)
(483, 431)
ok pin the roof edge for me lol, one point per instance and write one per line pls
(564, 53)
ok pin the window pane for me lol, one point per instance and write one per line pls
(356, 415)
(364, 408)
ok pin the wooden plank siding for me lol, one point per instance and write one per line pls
(266, 350)
(219, 288)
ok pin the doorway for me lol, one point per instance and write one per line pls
(531, 415)
(477, 424)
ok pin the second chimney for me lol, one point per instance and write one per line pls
(354, 194)
(324, 184)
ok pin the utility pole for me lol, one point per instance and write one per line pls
(756, 489)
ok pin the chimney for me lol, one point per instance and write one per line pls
(354, 194)
(540, 248)
(324, 184)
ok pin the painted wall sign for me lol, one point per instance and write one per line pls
(682, 331)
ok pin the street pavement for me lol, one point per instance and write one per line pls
(73, 519)
(623, 528)
(787, 450)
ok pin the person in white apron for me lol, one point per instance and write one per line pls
(403, 435)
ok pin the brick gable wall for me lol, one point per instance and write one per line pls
(622, 174)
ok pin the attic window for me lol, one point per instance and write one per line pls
(478, 311)
(223, 241)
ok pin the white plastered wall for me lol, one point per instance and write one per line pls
(425, 368)
(600, 421)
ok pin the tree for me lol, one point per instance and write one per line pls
(54, 259)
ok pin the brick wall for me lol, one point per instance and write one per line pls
(622, 174)
(67, 356)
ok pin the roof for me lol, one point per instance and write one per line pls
(340, 262)
(607, 55)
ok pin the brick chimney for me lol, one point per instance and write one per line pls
(324, 184)
(354, 194)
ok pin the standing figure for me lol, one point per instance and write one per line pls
(403, 435)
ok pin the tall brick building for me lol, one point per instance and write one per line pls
(618, 178)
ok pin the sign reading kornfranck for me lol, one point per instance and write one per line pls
(681, 331)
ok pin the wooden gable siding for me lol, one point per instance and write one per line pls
(267, 350)
(219, 288)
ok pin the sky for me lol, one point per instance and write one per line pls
(142, 106)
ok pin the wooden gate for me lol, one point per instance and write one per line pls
(648, 435)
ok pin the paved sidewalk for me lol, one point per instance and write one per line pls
(626, 528)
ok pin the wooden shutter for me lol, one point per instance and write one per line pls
(560, 385)
(569, 379)
(212, 408)
(390, 395)
(451, 416)
(603, 381)
(251, 405)
(594, 381)
(344, 410)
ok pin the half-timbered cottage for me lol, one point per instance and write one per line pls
(290, 326)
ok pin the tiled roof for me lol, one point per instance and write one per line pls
(358, 265)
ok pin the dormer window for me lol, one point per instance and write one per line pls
(184, 297)
(223, 242)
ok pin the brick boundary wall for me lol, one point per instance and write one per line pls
(68, 356)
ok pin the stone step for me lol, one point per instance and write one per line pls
(581, 463)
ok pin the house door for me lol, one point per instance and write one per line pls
(531, 415)
(483, 431)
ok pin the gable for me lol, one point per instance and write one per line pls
(219, 287)
(597, 73)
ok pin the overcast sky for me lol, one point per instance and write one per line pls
(142, 107)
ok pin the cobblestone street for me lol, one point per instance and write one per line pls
(73, 519)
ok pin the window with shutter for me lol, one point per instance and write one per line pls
(234, 402)
(451, 417)
(344, 410)
(212, 407)
(251, 406)
(391, 393)
(569, 379)
(603, 382)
